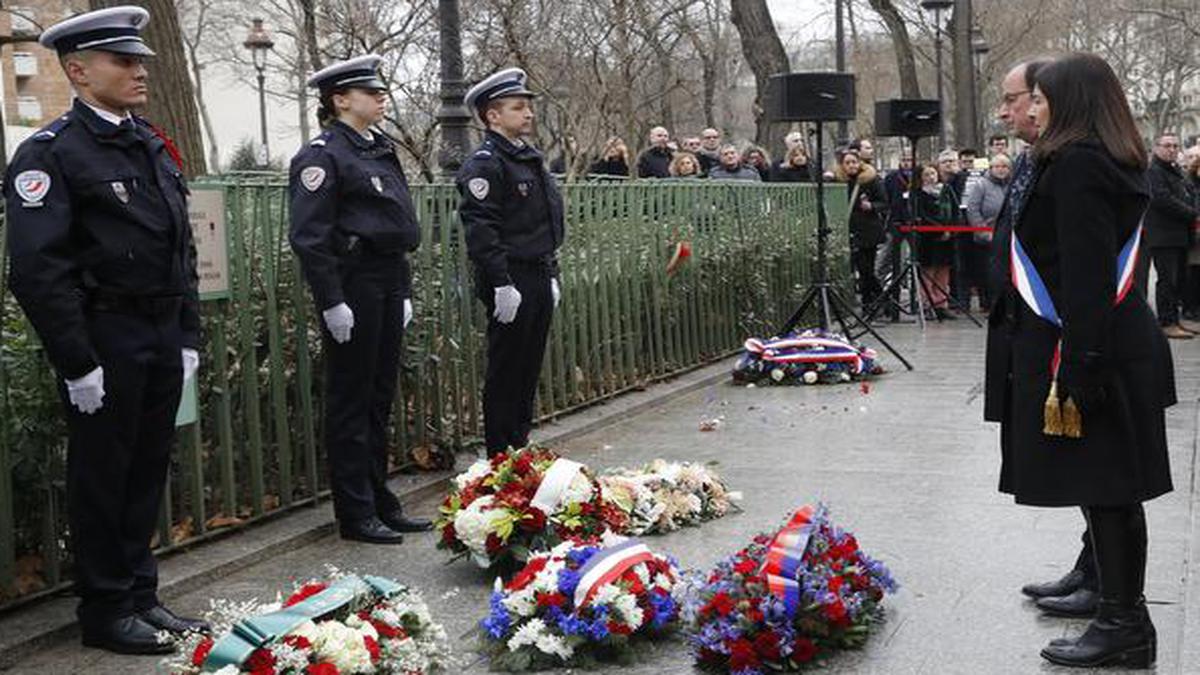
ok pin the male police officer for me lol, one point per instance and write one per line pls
(513, 217)
(104, 266)
(353, 222)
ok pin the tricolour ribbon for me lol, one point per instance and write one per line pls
(608, 565)
(785, 555)
(807, 350)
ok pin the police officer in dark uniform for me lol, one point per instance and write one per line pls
(512, 214)
(104, 266)
(353, 222)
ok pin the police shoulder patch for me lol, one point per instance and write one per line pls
(32, 186)
(312, 178)
(479, 188)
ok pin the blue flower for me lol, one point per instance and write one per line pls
(567, 581)
(580, 556)
(598, 630)
(570, 624)
(664, 609)
(498, 622)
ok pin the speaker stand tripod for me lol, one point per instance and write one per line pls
(919, 284)
(823, 295)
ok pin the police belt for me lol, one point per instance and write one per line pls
(139, 305)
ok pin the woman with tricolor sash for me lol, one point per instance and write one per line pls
(1091, 373)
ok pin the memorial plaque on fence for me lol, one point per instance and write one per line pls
(206, 211)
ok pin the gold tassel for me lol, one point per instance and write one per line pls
(1052, 412)
(1072, 419)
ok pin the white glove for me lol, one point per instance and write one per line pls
(339, 319)
(555, 291)
(87, 392)
(191, 363)
(407, 312)
(508, 299)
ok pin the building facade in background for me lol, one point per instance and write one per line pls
(35, 89)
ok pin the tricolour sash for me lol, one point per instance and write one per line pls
(607, 566)
(1064, 420)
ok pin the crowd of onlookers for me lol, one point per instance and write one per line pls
(959, 189)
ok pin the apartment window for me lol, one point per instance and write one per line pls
(29, 108)
(24, 64)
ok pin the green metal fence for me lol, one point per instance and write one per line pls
(256, 448)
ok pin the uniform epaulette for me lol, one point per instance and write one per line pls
(320, 141)
(52, 130)
(483, 152)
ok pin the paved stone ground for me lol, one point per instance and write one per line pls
(909, 467)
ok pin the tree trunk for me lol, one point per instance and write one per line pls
(965, 128)
(906, 63)
(172, 103)
(310, 46)
(764, 52)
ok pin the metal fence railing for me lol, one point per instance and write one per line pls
(256, 447)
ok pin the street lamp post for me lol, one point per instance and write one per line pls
(937, 7)
(453, 117)
(979, 50)
(259, 43)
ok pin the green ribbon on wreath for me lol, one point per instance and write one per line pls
(257, 632)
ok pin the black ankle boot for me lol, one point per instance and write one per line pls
(1118, 636)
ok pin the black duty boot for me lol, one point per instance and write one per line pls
(164, 619)
(1081, 603)
(371, 530)
(1116, 637)
(399, 522)
(1068, 584)
(127, 635)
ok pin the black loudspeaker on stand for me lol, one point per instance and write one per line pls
(912, 119)
(819, 98)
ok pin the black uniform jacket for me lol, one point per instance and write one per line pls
(349, 197)
(511, 209)
(1081, 211)
(1171, 213)
(96, 208)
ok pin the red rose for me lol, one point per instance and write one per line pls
(523, 465)
(619, 628)
(493, 543)
(533, 520)
(745, 566)
(551, 599)
(836, 613)
(742, 655)
(202, 651)
(835, 584)
(755, 615)
(306, 591)
(767, 646)
(721, 603)
(261, 662)
(372, 647)
(449, 535)
(297, 641)
(859, 581)
(803, 650)
(322, 669)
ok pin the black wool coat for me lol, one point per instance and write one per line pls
(1080, 213)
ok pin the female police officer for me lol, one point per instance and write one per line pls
(352, 224)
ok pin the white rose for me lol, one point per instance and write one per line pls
(474, 472)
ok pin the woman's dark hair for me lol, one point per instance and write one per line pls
(326, 112)
(1086, 101)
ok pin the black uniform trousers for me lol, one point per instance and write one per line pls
(1171, 265)
(118, 457)
(862, 260)
(514, 358)
(360, 386)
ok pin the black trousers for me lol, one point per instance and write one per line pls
(117, 462)
(360, 386)
(863, 261)
(1171, 265)
(514, 358)
(1119, 541)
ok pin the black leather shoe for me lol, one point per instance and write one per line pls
(1082, 602)
(371, 530)
(1116, 637)
(164, 619)
(127, 635)
(1067, 585)
(397, 521)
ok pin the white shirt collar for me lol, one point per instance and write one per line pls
(107, 116)
(366, 133)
